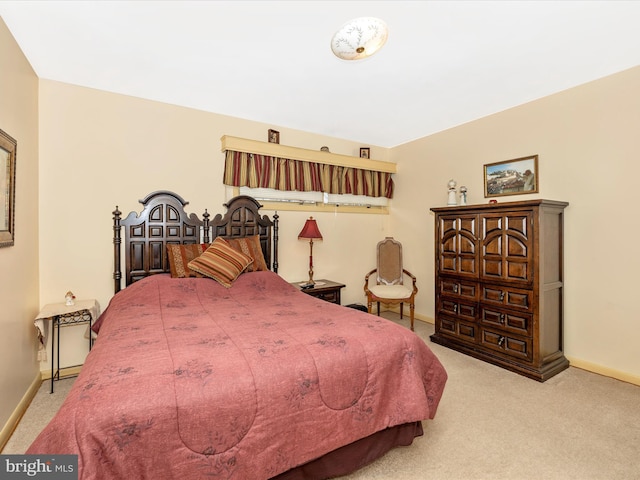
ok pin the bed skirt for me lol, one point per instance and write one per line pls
(356, 455)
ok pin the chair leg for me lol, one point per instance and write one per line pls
(401, 305)
(378, 308)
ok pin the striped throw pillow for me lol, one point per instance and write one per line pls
(181, 255)
(221, 262)
(250, 246)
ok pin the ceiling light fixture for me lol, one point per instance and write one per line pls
(359, 38)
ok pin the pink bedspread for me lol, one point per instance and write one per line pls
(191, 380)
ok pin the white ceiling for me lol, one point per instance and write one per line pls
(445, 62)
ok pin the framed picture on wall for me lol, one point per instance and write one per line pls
(274, 136)
(7, 189)
(511, 177)
(364, 152)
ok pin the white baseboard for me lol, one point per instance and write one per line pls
(64, 372)
(602, 370)
(19, 411)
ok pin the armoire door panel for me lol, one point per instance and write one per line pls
(517, 270)
(492, 267)
(467, 225)
(468, 266)
(491, 224)
(467, 244)
(506, 247)
(493, 244)
(448, 244)
(517, 247)
(447, 225)
(458, 253)
(517, 223)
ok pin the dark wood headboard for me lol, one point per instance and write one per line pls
(163, 221)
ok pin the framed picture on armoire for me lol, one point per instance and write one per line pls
(511, 177)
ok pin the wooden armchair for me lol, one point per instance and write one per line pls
(389, 288)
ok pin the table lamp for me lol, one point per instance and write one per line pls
(310, 231)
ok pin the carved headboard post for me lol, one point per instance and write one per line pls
(275, 241)
(117, 273)
(205, 222)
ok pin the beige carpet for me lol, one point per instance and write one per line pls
(491, 424)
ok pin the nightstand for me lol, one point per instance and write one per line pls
(63, 315)
(324, 290)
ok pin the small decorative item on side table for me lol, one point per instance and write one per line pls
(70, 298)
(64, 315)
(322, 289)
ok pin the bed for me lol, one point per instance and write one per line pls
(192, 378)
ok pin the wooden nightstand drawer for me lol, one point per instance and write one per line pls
(324, 290)
(333, 297)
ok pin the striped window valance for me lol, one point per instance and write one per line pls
(254, 170)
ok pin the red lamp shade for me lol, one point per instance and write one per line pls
(310, 230)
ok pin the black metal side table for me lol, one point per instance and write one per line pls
(63, 315)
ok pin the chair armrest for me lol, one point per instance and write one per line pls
(413, 279)
(407, 272)
(366, 279)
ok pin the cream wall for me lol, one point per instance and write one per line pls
(587, 141)
(19, 263)
(99, 150)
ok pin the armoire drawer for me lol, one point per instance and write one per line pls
(451, 327)
(455, 287)
(503, 342)
(461, 310)
(512, 321)
(506, 296)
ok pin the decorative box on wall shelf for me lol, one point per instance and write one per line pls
(499, 284)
